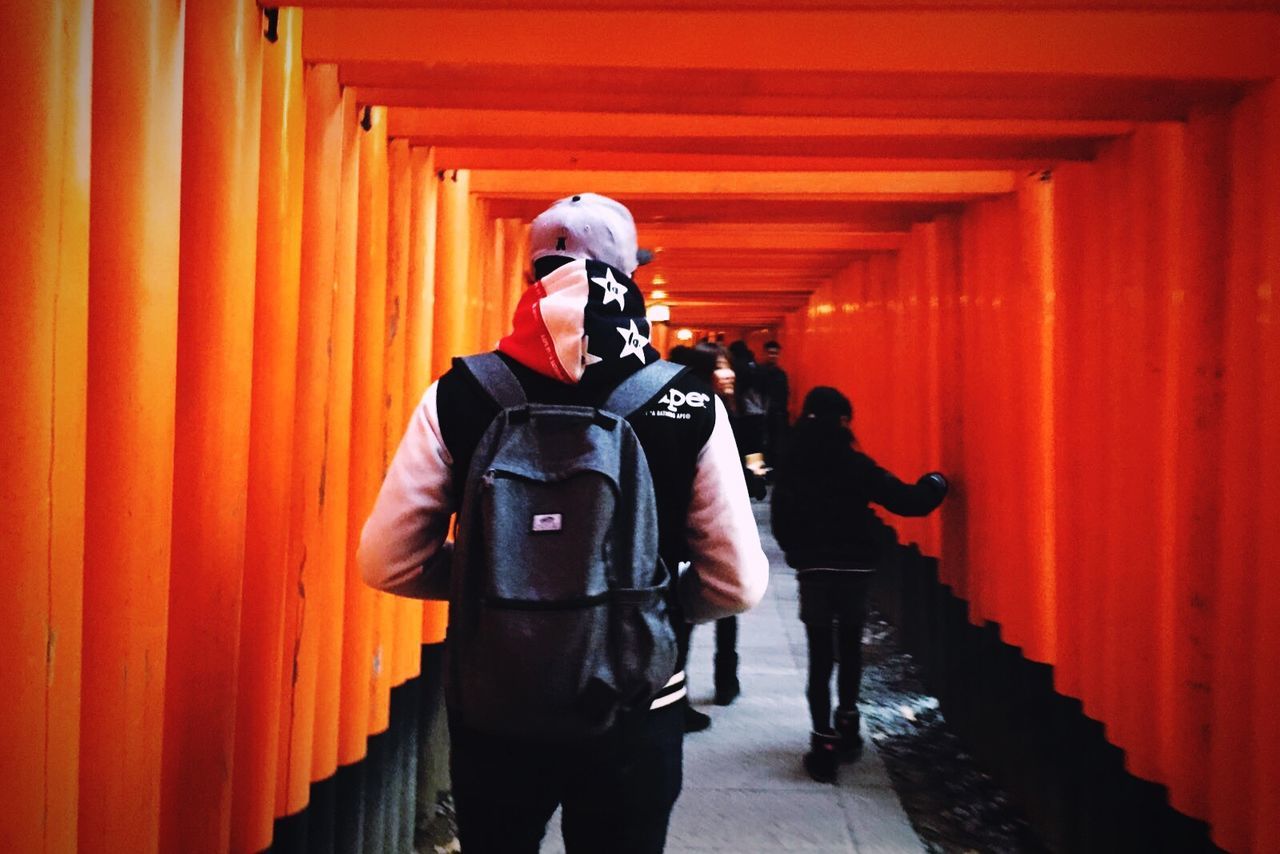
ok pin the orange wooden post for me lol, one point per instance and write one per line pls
(407, 624)
(303, 604)
(222, 87)
(275, 333)
(453, 261)
(1191, 462)
(44, 229)
(1266, 664)
(369, 448)
(1239, 721)
(1035, 202)
(420, 307)
(367, 434)
(133, 332)
(337, 459)
(420, 325)
(1071, 451)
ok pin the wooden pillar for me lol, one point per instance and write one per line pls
(369, 427)
(337, 459)
(419, 314)
(44, 230)
(407, 612)
(133, 342)
(222, 88)
(275, 343)
(452, 269)
(367, 432)
(303, 611)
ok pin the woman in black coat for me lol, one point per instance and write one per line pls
(822, 518)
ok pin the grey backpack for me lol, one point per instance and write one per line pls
(558, 613)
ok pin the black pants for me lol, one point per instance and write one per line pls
(726, 660)
(616, 791)
(833, 607)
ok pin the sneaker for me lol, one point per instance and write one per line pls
(821, 762)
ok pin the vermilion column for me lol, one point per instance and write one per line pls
(303, 609)
(221, 128)
(369, 414)
(420, 308)
(133, 346)
(408, 612)
(453, 262)
(44, 233)
(1035, 208)
(365, 454)
(337, 464)
(271, 438)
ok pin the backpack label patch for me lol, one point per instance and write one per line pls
(546, 522)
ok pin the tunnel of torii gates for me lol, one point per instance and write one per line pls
(1037, 242)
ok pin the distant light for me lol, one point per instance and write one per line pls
(659, 279)
(658, 295)
(659, 313)
(684, 334)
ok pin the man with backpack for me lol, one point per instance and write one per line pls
(584, 470)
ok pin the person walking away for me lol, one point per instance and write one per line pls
(725, 378)
(776, 390)
(571, 441)
(822, 519)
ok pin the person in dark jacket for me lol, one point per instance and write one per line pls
(578, 331)
(822, 518)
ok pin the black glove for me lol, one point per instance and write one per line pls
(938, 482)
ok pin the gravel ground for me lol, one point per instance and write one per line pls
(953, 804)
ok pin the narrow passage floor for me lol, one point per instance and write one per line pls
(744, 788)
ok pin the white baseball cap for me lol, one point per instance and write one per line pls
(587, 225)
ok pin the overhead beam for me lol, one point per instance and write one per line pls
(798, 185)
(966, 94)
(872, 213)
(816, 5)
(766, 239)
(919, 148)
(1139, 43)
(411, 121)
(468, 156)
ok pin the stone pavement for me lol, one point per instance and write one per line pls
(744, 788)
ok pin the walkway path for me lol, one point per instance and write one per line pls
(744, 789)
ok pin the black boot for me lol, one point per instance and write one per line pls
(694, 720)
(726, 679)
(822, 762)
(847, 727)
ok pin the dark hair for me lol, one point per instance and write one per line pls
(703, 357)
(680, 354)
(825, 403)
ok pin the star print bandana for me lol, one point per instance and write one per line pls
(583, 316)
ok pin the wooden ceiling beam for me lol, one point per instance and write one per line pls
(411, 121)
(668, 239)
(832, 186)
(880, 213)
(965, 94)
(559, 158)
(1232, 45)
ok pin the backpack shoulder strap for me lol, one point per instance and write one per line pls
(639, 388)
(495, 378)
